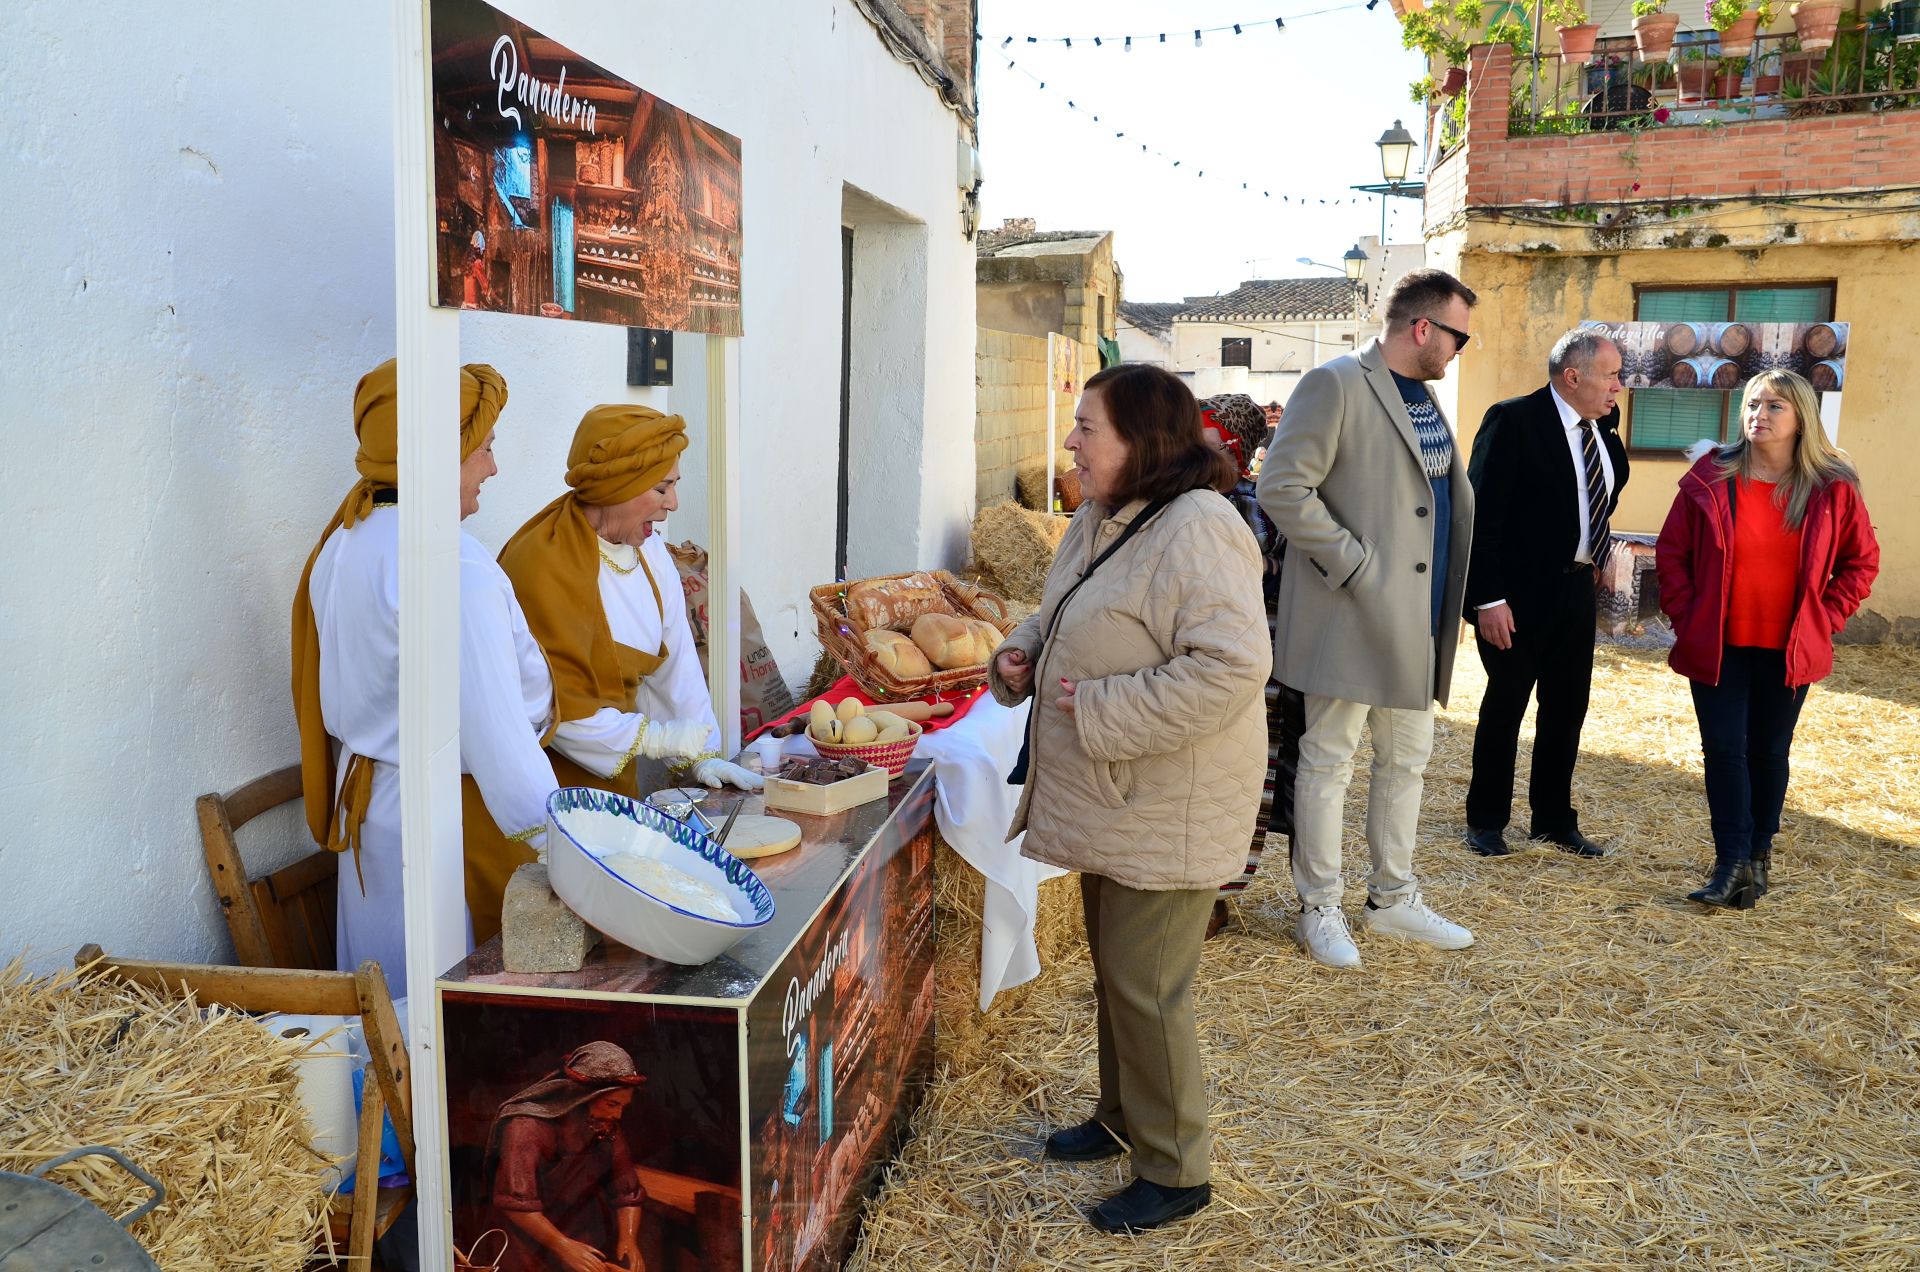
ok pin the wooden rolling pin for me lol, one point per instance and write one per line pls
(920, 712)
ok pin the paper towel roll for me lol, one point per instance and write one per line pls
(325, 1069)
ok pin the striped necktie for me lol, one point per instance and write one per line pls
(1596, 494)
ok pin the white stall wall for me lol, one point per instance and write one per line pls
(203, 270)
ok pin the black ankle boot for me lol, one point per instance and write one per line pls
(1730, 887)
(1762, 870)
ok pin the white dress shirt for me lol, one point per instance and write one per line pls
(1570, 424)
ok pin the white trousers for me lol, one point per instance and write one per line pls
(1402, 744)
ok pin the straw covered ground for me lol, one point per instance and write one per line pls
(1608, 1079)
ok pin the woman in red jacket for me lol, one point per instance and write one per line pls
(1765, 555)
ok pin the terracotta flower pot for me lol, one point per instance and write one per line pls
(1766, 85)
(1455, 81)
(1576, 42)
(1797, 68)
(1737, 40)
(1653, 34)
(1726, 85)
(1814, 22)
(1696, 80)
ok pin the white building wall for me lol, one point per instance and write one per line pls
(203, 269)
(1143, 346)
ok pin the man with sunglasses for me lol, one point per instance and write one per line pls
(1364, 480)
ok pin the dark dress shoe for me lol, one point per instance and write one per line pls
(1730, 887)
(1143, 1204)
(1488, 843)
(1571, 841)
(1762, 864)
(1218, 919)
(1090, 1141)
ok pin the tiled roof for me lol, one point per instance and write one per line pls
(1152, 316)
(1276, 298)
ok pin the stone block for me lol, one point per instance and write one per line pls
(1869, 628)
(538, 933)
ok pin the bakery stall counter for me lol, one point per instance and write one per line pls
(733, 1114)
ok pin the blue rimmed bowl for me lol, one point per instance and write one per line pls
(585, 825)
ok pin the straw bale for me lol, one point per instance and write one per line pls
(1610, 1078)
(1030, 479)
(207, 1102)
(1016, 545)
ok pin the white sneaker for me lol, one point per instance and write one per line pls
(1413, 920)
(1322, 933)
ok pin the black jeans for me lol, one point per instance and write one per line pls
(1746, 729)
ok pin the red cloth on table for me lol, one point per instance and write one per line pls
(846, 688)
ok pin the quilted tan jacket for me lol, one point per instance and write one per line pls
(1154, 778)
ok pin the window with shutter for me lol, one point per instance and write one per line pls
(1236, 352)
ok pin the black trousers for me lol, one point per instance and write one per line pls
(1551, 654)
(1746, 730)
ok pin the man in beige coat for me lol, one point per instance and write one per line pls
(1365, 481)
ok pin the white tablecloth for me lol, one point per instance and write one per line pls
(973, 807)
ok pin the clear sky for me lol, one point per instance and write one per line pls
(1294, 113)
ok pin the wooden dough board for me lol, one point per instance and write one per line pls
(758, 835)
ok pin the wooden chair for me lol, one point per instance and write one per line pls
(283, 919)
(359, 1218)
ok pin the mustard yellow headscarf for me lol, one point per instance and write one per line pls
(483, 392)
(618, 452)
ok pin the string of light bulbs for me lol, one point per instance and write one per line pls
(1145, 149)
(1125, 42)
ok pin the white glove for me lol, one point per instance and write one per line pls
(674, 739)
(714, 772)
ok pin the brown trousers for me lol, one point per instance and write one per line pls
(1146, 951)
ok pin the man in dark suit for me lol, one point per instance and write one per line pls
(1547, 471)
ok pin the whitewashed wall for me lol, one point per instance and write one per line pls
(201, 270)
(1137, 345)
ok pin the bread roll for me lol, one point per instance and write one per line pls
(947, 641)
(899, 655)
(895, 603)
(986, 639)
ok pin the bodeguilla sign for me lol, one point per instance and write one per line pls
(550, 100)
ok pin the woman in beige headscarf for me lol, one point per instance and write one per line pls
(346, 679)
(605, 602)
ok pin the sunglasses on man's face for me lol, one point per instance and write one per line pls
(1460, 337)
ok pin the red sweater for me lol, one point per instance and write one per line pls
(1766, 561)
(1838, 560)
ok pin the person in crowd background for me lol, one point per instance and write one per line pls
(1765, 555)
(346, 681)
(1142, 770)
(1365, 482)
(1234, 423)
(1547, 472)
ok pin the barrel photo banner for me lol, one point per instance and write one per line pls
(1723, 356)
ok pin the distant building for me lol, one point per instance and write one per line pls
(1145, 331)
(1030, 281)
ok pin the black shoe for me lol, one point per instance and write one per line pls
(1488, 843)
(1218, 919)
(1571, 841)
(1144, 1204)
(1090, 1141)
(1762, 864)
(1731, 887)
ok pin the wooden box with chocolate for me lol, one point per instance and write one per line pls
(822, 787)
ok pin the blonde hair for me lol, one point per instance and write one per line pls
(1816, 461)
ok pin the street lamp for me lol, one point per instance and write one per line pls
(1355, 262)
(1396, 153)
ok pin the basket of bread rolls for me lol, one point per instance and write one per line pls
(911, 635)
(849, 730)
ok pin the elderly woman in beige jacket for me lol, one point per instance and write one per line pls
(1146, 749)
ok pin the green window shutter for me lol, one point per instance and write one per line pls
(1683, 306)
(1674, 419)
(1783, 304)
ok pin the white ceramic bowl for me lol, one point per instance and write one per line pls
(584, 825)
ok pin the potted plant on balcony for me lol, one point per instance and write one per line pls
(1767, 75)
(1736, 24)
(1653, 29)
(1441, 31)
(1696, 73)
(1727, 77)
(1577, 35)
(1814, 22)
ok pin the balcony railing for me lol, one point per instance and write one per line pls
(1868, 68)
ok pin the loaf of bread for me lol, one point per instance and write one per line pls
(986, 638)
(951, 643)
(899, 655)
(895, 603)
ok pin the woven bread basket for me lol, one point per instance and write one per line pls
(844, 637)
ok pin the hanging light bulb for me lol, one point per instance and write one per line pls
(1196, 37)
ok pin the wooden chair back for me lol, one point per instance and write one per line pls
(283, 919)
(370, 1210)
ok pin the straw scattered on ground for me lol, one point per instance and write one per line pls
(208, 1103)
(1610, 1078)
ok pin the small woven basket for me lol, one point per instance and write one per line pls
(845, 638)
(891, 756)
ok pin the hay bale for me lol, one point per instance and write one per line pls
(1030, 479)
(207, 1102)
(1016, 545)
